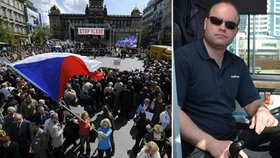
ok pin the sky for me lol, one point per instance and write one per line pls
(114, 7)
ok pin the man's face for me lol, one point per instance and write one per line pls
(220, 35)
(18, 119)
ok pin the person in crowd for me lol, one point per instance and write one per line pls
(76, 86)
(158, 136)
(42, 102)
(85, 127)
(87, 102)
(34, 94)
(141, 126)
(165, 120)
(210, 80)
(71, 130)
(167, 152)
(9, 119)
(104, 144)
(156, 107)
(16, 96)
(106, 89)
(149, 150)
(108, 114)
(55, 131)
(125, 102)
(118, 86)
(142, 95)
(166, 89)
(11, 101)
(22, 134)
(4, 89)
(97, 95)
(155, 91)
(39, 143)
(8, 148)
(40, 116)
(109, 99)
(144, 107)
(28, 107)
(70, 98)
(46, 123)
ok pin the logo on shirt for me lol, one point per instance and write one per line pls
(234, 76)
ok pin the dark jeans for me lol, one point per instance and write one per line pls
(83, 140)
(58, 152)
(112, 143)
(101, 153)
(257, 146)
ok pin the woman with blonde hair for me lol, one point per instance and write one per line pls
(158, 136)
(104, 144)
(149, 150)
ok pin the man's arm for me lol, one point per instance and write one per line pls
(192, 133)
(261, 116)
(202, 140)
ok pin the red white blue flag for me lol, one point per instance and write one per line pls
(51, 71)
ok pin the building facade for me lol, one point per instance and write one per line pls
(115, 27)
(13, 15)
(157, 19)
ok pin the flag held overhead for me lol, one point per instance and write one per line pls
(51, 71)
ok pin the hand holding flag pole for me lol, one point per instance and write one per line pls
(76, 115)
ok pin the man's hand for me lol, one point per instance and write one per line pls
(262, 118)
(220, 149)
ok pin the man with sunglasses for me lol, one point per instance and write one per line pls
(209, 80)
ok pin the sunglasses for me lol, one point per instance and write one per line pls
(218, 21)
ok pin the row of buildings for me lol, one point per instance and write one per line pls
(20, 16)
(95, 26)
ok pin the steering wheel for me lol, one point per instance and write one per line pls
(238, 145)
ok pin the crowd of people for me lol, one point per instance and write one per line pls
(33, 125)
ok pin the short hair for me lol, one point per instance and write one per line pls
(51, 112)
(106, 120)
(110, 84)
(168, 106)
(11, 108)
(147, 100)
(157, 127)
(150, 145)
(84, 113)
(229, 3)
(42, 101)
(54, 114)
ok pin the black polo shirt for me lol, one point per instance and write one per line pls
(206, 92)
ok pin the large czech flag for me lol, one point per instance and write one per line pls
(51, 71)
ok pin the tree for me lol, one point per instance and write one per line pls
(41, 33)
(6, 34)
(145, 34)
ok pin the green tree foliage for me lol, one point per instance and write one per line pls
(7, 35)
(145, 37)
(41, 33)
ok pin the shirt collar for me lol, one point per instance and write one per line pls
(205, 56)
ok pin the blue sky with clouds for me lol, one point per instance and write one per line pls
(114, 7)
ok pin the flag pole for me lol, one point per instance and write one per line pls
(76, 115)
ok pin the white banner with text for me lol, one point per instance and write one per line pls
(91, 31)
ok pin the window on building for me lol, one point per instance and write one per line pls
(277, 20)
(262, 51)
